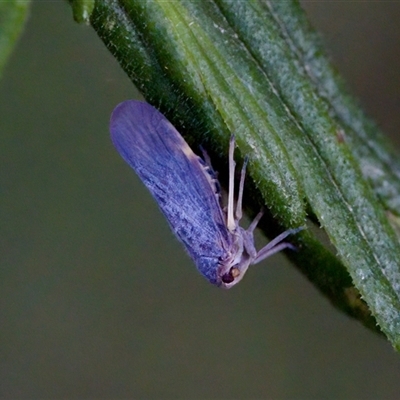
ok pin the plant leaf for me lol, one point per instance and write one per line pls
(221, 67)
(13, 15)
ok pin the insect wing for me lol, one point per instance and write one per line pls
(177, 179)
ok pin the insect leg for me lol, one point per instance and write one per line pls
(276, 245)
(239, 212)
(255, 222)
(230, 223)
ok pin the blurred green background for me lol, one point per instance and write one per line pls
(97, 297)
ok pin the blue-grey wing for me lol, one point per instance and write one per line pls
(174, 175)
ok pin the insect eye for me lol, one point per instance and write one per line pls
(230, 276)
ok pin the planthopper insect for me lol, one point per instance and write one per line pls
(187, 191)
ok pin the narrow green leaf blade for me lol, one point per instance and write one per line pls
(13, 14)
(221, 67)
